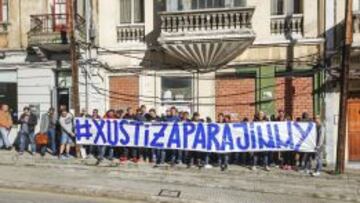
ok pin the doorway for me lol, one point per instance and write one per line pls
(63, 97)
(353, 116)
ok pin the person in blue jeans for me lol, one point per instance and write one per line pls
(47, 126)
(66, 123)
(28, 122)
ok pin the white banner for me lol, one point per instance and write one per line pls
(206, 137)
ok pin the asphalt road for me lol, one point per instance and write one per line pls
(21, 196)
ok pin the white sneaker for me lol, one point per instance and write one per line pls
(253, 168)
(208, 166)
(267, 168)
(315, 174)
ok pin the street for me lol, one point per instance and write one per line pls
(22, 196)
(28, 179)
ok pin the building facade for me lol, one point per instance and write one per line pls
(209, 56)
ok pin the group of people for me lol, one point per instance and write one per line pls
(60, 132)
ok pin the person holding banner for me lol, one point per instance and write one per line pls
(224, 161)
(102, 149)
(286, 157)
(304, 157)
(193, 156)
(124, 151)
(175, 155)
(91, 148)
(130, 115)
(152, 118)
(260, 117)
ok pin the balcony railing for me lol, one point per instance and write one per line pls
(282, 25)
(131, 33)
(53, 28)
(206, 20)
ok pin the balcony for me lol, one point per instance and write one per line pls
(207, 39)
(283, 25)
(131, 33)
(49, 32)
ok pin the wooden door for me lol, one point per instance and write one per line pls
(354, 129)
(59, 13)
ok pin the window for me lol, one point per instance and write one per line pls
(176, 88)
(131, 11)
(173, 5)
(239, 3)
(277, 7)
(298, 6)
(4, 11)
(282, 7)
(201, 4)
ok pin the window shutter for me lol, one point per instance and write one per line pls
(125, 11)
(138, 11)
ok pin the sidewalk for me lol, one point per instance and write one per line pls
(143, 183)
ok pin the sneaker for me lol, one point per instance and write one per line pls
(62, 157)
(315, 174)
(267, 168)
(208, 166)
(253, 168)
(98, 162)
(135, 160)
(224, 168)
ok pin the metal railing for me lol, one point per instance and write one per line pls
(206, 20)
(131, 33)
(53, 25)
(293, 24)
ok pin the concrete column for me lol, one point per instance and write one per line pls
(331, 107)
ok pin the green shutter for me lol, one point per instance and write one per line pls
(266, 90)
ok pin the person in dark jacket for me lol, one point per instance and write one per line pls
(28, 122)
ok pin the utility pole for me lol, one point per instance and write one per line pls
(344, 86)
(75, 104)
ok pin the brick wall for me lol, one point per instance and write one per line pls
(235, 96)
(302, 88)
(124, 92)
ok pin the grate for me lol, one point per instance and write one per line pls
(169, 193)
